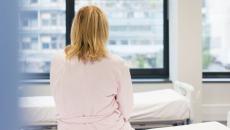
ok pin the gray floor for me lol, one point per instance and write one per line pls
(222, 122)
(54, 127)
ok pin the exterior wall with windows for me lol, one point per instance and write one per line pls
(42, 33)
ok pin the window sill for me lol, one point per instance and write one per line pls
(216, 80)
(135, 81)
(35, 81)
(145, 81)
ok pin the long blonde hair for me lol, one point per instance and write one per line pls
(89, 34)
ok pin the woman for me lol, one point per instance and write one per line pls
(91, 87)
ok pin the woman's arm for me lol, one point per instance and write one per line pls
(55, 70)
(125, 93)
(53, 74)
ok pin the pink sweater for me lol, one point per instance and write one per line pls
(92, 96)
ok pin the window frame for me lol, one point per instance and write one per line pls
(137, 73)
(216, 75)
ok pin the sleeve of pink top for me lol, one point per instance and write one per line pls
(53, 68)
(125, 93)
(53, 73)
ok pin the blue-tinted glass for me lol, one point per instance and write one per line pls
(45, 45)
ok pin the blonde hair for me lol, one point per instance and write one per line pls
(89, 34)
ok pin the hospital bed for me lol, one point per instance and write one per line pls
(151, 109)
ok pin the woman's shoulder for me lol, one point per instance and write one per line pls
(117, 60)
(59, 56)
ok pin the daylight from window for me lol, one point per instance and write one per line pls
(42, 33)
(136, 31)
(216, 35)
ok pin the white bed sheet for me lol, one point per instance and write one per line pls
(199, 126)
(159, 105)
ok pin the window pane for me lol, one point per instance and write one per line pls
(216, 35)
(136, 29)
(42, 33)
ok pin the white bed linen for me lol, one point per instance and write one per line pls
(199, 126)
(159, 105)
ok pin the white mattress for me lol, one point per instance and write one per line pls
(159, 105)
(199, 126)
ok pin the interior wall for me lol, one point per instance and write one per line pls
(185, 25)
(216, 101)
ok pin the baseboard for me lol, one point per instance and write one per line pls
(215, 112)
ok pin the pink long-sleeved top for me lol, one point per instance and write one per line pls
(92, 96)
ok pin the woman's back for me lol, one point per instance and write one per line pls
(93, 95)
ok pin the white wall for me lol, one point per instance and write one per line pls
(216, 101)
(212, 100)
(185, 25)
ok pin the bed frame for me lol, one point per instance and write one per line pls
(158, 124)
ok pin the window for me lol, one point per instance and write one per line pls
(45, 45)
(33, 1)
(216, 40)
(42, 33)
(124, 42)
(29, 19)
(138, 33)
(112, 42)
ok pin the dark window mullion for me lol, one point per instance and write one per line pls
(69, 18)
(166, 38)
